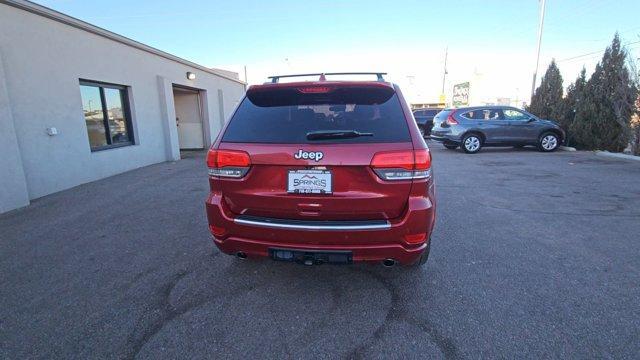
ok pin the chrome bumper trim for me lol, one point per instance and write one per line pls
(301, 225)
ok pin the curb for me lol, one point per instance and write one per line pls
(567, 148)
(617, 155)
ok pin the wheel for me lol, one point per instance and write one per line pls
(421, 130)
(424, 257)
(471, 143)
(451, 146)
(548, 142)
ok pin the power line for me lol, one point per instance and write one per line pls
(598, 55)
(585, 59)
(594, 52)
(582, 10)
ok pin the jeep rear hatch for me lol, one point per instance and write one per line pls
(324, 135)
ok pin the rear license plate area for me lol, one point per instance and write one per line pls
(313, 257)
(309, 182)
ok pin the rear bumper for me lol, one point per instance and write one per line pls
(449, 135)
(376, 243)
(373, 253)
(445, 139)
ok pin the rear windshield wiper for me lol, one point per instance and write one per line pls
(336, 134)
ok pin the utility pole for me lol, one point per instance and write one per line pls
(533, 85)
(245, 74)
(444, 75)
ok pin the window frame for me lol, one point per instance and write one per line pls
(466, 113)
(497, 110)
(526, 118)
(126, 112)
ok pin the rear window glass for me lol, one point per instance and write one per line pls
(483, 114)
(287, 115)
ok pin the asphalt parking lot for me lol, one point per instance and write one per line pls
(534, 255)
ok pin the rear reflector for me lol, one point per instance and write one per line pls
(217, 231)
(228, 163)
(402, 165)
(415, 238)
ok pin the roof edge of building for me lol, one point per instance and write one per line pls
(83, 25)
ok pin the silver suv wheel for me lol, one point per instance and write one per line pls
(548, 142)
(471, 143)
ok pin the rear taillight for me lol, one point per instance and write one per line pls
(402, 165)
(228, 163)
(451, 120)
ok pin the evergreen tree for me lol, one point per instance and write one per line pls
(635, 118)
(546, 101)
(570, 104)
(603, 116)
(583, 130)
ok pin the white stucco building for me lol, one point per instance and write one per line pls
(79, 103)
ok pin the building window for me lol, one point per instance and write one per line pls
(106, 113)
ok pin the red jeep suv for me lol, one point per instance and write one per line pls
(322, 172)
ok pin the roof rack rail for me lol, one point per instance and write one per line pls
(276, 78)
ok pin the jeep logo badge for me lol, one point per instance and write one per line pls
(309, 155)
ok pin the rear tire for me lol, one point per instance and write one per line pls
(471, 143)
(451, 146)
(548, 142)
(424, 256)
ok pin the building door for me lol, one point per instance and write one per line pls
(188, 118)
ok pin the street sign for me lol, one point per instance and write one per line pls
(460, 94)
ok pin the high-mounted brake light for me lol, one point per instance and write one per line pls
(402, 165)
(228, 163)
(450, 119)
(314, 89)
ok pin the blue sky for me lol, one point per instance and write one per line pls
(262, 34)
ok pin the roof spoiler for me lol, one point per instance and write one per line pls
(276, 78)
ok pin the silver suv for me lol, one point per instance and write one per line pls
(471, 128)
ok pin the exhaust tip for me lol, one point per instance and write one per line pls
(241, 255)
(388, 262)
